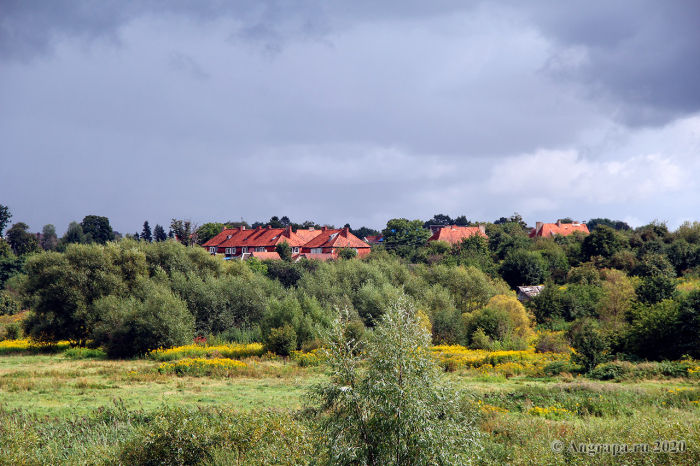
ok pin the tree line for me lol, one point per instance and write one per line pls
(618, 292)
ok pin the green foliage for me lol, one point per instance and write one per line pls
(284, 251)
(13, 331)
(5, 217)
(133, 326)
(393, 412)
(655, 265)
(503, 320)
(347, 253)
(652, 330)
(207, 231)
(146, 232)
(654, 289)
(281, 340)
(8, 305)
(569, 302)
(589, 343)
(49, 240)
(403, 236)
(603, 241)
(159, 234)
(687, 336)
(182, 229)
(73, 235)
(97, 228)
(522, 267)
(174, 437)
(21, 241)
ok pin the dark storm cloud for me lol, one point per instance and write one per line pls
(643, 56)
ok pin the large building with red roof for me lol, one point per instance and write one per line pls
(454, 234)
(548, 230)
(261, 242)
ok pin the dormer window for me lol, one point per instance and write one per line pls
(228, 237)
(295, 250)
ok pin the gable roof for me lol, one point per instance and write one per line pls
(548, 230)
(263, 237)
(264, 255)
(221, 237)
(454, 234)
(307, 235)
(336, 238)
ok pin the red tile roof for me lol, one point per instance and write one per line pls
(336, 238)
(307, 235)
(454, 234)
(220, 238)
(548, 230)
(263, 237)
(374, 239)
(265, 255)
(319, 257)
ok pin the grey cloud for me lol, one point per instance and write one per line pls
(184, 63)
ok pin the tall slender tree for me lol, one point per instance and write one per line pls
(5, 217)
(146, 232)
(159, 233)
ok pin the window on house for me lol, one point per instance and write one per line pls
(316, 250)
(260, 249)
(295, 250)
(212, 250)
(244, 249)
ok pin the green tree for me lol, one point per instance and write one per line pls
(590, 344)
(603, 241)
(21, 241)
(98, 228)
(284, 250)
(394, 412)
(146, 232)
(404, 235)
(49, 240)
(182, 230)
(522, 267)
(73, 235)
(208, 230)
(159, 234)
(5, 217)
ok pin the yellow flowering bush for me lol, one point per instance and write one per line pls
(202, 367)
(231, 351)
(312, 358)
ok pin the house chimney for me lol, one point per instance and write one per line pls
(482, 228)
(242, 228)
(223, 227)
(258, 228)
(346, 231)
(267, 227)
(311, 228)
(559, 223)
(538, 227)
(323, 228)
(288, 231)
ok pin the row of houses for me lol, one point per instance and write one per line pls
(325, 243)
(261, 242)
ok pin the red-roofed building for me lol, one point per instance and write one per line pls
(330, 240)
(262, 255)
(260, 240)
(454, 234)
(548, 230)
(213, 245)
(307, 235)
(314, 257)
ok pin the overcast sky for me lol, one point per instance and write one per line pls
(349, 111)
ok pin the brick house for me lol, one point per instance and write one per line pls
(330, 240)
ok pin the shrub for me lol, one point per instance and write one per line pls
(394, 412)
(281, 341)
(13, 331)
(8, 306)
(551, 342)
(175, 437)
(590, 345)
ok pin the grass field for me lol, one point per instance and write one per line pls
(56, 409)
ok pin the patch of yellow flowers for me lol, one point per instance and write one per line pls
(526, 362)
(232, 351)
(27, 345)
(199, 366)
(551, 412)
